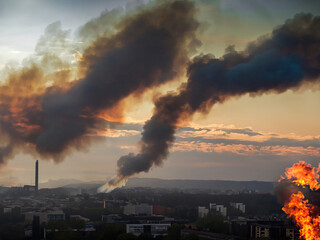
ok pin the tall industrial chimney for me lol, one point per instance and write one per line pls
(37, 177)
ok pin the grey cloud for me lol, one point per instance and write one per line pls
(245, 131)
(314, 142)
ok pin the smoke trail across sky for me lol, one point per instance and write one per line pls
(44, 111)
(282, 60)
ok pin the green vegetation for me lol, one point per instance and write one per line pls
(213, 222)
(111, 231)
(76, 223)
(127, 236)
(11, 231)
(191, 236)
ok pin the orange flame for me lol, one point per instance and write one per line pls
(302, 174)
(299, 208)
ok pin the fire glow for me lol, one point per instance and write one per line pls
(297, 207)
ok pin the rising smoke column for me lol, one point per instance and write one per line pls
(149, 48)
(282, 60)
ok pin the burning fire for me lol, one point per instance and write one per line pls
(299, 208)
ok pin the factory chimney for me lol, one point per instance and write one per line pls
(37, 177)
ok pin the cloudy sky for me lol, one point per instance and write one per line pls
(243, 138)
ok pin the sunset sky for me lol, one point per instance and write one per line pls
(243, 138)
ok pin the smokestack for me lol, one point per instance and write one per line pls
(37, 177)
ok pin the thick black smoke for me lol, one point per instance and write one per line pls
(285, 59)
(149, 48)
(285, 189)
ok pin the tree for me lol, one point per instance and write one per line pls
(111, 231)
(145, 236)
(64, 235)
(57, 224)
(174, 232)
(214, 222)
(11, 231)
(191, 236)
(127, 236)
(77, 223)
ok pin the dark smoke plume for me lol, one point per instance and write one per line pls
(284, 190)
(285, 59)
(149, 48)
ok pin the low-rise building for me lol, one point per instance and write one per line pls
(141, 209)
(55, 215)
(273, 230)
(202, 211)
(240, 206)
(222, 210)
(80, 217)
(45, 216)
(212, 206)
(154, 229)
(7, 210)
(111, 218)
(218, 208)
(262, 231)
(161, 210)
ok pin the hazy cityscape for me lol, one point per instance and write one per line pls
(199, 210)
(159, 119)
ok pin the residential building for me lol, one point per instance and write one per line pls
(141, 209)
(240, 206)
(222, 210)
(154, 229)
(202, 211)
(273, 230)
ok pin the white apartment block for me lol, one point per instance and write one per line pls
(202, 211)
(240, 206)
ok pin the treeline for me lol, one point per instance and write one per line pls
(256, 204)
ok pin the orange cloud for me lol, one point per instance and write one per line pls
(242, 149)
(115, 133)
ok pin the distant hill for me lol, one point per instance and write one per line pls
(59, 183)
(84, 185)
(183, 185)
(219, 185)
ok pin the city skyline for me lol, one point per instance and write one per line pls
(243, 138)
